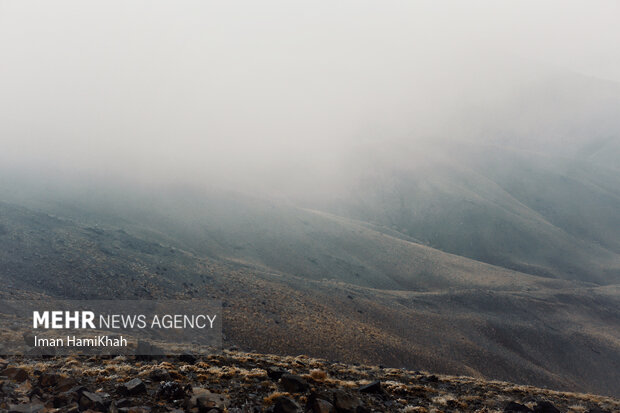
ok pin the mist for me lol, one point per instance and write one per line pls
(275, 95)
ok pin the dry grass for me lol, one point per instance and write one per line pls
(243, 374)
(414, 409)
(272, 397)
(318, 375)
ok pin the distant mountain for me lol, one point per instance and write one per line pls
(520, 210)
(531, 183)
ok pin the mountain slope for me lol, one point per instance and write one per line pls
(525, 217)
(485, 322)
(237, 382)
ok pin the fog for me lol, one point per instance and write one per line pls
(272, 94)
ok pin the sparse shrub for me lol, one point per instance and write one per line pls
(271, 399)
(416, 409)
(318, 375)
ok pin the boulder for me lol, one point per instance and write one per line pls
(322, 406)
(514, 407)
(64, 383)
(61, 400)
(293, 384)
(33, 407)
(90, 401)
(205, 400)
(286, 405)
(171, 390)
(319, 403)
(374, 387)
(159, 375)
(131, 388)
(345, 402)
(15, 373)
(275, 373)
(49, 379)
(545, 407)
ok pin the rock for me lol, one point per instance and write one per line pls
(49, 379)
(75, 393)
(545, 407)
(345, 402)
(204, 404)
(374, 387)
(275, 373)
(65, 398)
(135, 409)
(514, 407)
(171, 390)
(131, 388)
(6, 387)
(293, 384)
(322, 406)
(159, 375)
(113, 408)
(123, 403)
(90, 401)
(26, 408)
(204, 400)
(61, 400)
(286, 405)
(432, 379)
(187, 358)
(64, 384)
(597, 410)
(15, 373)
(318, 403)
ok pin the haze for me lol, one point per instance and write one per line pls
(271, 93)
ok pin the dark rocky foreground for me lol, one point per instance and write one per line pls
(233, 381)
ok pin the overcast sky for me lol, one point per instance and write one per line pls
(178, 87)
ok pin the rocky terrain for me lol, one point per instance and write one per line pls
(234, 381)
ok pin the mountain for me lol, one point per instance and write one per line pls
(432, 310)
(529, 183)
(525, 211)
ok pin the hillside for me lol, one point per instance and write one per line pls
(478, 320)
(531, 212)
(237, 382)
(529, 181)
